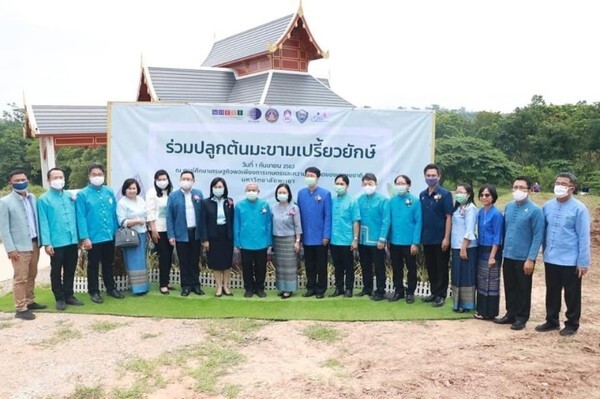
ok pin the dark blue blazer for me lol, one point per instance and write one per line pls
(176, 220)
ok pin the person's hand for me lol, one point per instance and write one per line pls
(491, 262)
(528, 267)
(445, 244)
(325, 241)
(49, 250)
(155, 236)
(86, 244)
(206, 245)
(414, 249)
(14, 256)
(141, 221)
(354, 245)
(380, 245)
(581, 272)
(296, 247)
(463, 254)
(172, 242)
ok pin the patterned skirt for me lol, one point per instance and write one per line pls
(464, 279)
(286, 263)
(135, 261)
(488, 286)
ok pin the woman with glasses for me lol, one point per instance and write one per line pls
(490, 226)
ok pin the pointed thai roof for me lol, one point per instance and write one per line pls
(263, 39)
(56, 120)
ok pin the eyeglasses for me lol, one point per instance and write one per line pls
(485, 195)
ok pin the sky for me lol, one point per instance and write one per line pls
(481, 55)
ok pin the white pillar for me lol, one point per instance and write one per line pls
(47, 157)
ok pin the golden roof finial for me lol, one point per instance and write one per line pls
(300, 11)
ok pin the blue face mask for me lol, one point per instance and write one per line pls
(431, 181)
(20, 186)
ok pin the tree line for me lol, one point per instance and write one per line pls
(537, 140)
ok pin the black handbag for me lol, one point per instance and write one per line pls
(126, 237)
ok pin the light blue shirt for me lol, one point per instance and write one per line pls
(374, 218)
(523, 230)
(56, 214)
(252, 226)
(464, 223)
(96, 214)
(344, 213)
(567, 238)
(406, 220)
(315, 214)
(221, 220)
(28, 202)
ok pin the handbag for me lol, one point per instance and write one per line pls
(126, 237)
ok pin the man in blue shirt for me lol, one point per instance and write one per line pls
(566, 254)
(315, 213)
(58, 236)
(253, 235)
(437, 208)
(96, 208)
(374, 227)
(524, 231)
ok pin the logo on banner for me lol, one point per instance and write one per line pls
(254, 114)
(272, 115)
(320, 117)
(235, 113)
(302, 116)
(287, 116)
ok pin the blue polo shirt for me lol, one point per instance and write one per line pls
(315, 214)
(490, 227)
(523, 230)
(435, 207)
(345, 213)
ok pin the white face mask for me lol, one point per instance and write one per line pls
(218, 191)
(251, 195)
(97, 180)
(162, 184)
(282, 197)
(519, 195)
(57, 184)
(369, 190)
(185, 184)
(561, 191)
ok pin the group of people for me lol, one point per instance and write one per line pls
(480, 241)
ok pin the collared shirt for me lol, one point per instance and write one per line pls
(523, 230)
(464, 223)
(344, 213)
(490, 226)
(190, 212)
(128, 209)
(56, 213)
(221, 219)
(374, 218)
(156, 208)
(96, 214)
(286, 220)
(435, 207)
(27, 201)
(405, 220)
(567, 241)
(315, 213)
(252, 226)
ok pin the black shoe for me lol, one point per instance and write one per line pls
(568, 331)
(185, 291)
(517, 325)
(309, 293)
(248, 294)
(25, 314)
(363, 293)
(396, 297)
(430, 298)
(61, 305)
(197, 291)
(377, 297)
(439, 301)
(36, 306)
(546, 327)
(348, 294)
(261, 294)
(337, 292)
(410, 298)
(504, 320)
(320, 296)
(96, 298)
(74, 301)
(115, 293)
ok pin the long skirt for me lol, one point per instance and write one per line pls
(286, 263)
(488, 286)
(135, 261)
(220, 250)
(464, 279)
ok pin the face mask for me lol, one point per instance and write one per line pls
(162, 184)
(20, 187)
(251, 195)
(519, 195)
(400, 189)
(282, 197)
(218, 192)
(310, 181)
(431, 181)
(185, 184)
(559, 191)
(461, 198)
(57, 184)
(339, 189)
(369, 190)
(97, 180)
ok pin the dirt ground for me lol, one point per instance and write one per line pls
(84, 356)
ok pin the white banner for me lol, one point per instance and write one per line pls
(266, 144)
